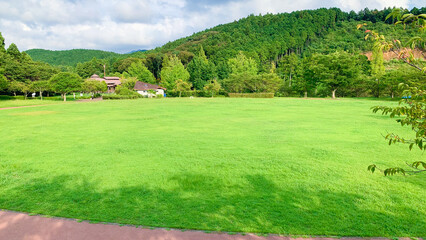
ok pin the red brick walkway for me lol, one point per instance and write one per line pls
(20, 226)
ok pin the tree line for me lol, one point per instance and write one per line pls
(312, 53)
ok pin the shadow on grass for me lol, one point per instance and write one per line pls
(210, 203)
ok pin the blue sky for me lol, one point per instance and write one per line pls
(125, 25)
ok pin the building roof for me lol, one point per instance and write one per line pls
(141, 86)
(107, 80)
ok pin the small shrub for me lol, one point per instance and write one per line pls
(251, 95)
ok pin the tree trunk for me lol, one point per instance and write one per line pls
(41, 95)
(25, 95)
(333, 93)
(180, 93)
(306, 94)
(65, 97)
(74, 95)
(212, 94)
(290, 81)
(392, 95)
(14, 93)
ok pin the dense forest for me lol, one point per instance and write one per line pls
(314, 53)
(68, 57)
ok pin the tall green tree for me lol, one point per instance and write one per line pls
(13, 51)
(201, 70)
(173, 70)
(141, 72)
(40, 86)
(65, 82)
(336, 70)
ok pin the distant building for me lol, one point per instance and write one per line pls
(112, 82)
(143, 88)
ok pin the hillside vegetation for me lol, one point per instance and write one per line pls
(68, 57)
(290, 54)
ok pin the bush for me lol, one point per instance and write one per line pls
(251, 95)
(194, 93)
(125, 91)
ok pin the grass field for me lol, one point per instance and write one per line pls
(286, 166)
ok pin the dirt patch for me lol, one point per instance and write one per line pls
(391, 55)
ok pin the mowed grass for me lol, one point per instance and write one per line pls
(286, 166)
(30, 102)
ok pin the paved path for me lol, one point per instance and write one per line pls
(20, 226)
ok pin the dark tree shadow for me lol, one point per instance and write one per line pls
(209, 203)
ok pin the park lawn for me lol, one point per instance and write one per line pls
(29, 102)
(285, 166)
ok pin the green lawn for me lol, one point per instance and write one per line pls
(287, 166)
(30, 102)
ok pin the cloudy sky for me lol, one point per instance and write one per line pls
(125, 25)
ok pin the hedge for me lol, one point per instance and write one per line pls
(251, 95)
(115, 97)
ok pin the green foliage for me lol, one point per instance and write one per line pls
(94, 86)
(87, 69)
(172, 71)
(69, 57)
(16, 86)
(65, 83)
(129, 82)
(336, 70)
(182, 86)
(40, 86)
(201, 70)
(251, 95)
(122, 90)
(13, 51)
(243, 65)
(213, 87)
(3, 83)
(141, 72)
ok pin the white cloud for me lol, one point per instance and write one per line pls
(124, 25)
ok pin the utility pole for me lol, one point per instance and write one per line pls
(104, 71)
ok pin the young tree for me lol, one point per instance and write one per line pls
(141, 72)
(65, 82)
(40, 86)
(412, 108)
(173, 70)
(213, 87)
(25, 89)
(94, 86)
(182, 86)
(377, 67)
(243, 65)
(129, 82)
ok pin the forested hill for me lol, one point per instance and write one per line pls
(270, 36)
(68, 57)
(263, 38)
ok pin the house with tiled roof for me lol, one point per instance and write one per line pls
(144, 89)
(112, 82)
